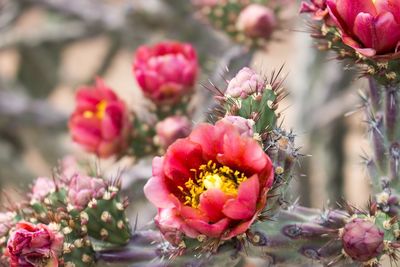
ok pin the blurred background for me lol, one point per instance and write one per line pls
(48, 48)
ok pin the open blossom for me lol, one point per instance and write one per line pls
(42, 187)
(318, 8)
(172, 128)
(166, 71)
(370, 27)
(100, 122)
(213, 183)
(32, 245)
(83, 188)
(245, 83)
(256, 21)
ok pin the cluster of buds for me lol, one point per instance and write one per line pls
(61, 219)
(368, 34)
(248, 22)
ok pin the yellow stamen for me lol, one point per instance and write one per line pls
(211, 177)
(100, 111)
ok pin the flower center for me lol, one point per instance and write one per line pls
(210, 176)
(100, 111)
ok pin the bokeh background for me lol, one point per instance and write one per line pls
(48, 48)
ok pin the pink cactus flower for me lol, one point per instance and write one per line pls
(244, 126)
(257, 21)
(213, 183)
(34, 246)
(166, 71)
(42, 187)
(370, 27)
(171, 129)
(100, 122)
(245, 83)
(82, 189)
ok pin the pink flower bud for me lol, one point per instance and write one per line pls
(362, 240)
(43, 186)
(257, 21)
(100, 122)
(82, 189)
(166, 71)
(34, 245)
(245, 83)
(171, 129)
(245, 126)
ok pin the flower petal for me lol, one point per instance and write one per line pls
(210, 230)
(381, 33)
(156, 190)
(212, 202)
(244, 206)
(181, 157)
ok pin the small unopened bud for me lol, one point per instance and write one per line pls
(362, 240)
(257, 21)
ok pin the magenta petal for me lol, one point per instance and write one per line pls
(155, 189)
(181, 157)
(381, 33)
(157, 193)
(244, 206)
(210, 230)
(212, 202)
(240, 229)
(349, 9)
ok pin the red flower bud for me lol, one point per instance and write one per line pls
(166, 71)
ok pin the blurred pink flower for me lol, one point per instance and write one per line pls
(100, 122)
(257, 21)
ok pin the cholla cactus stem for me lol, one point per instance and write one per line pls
(375, 94)
(391, 112)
